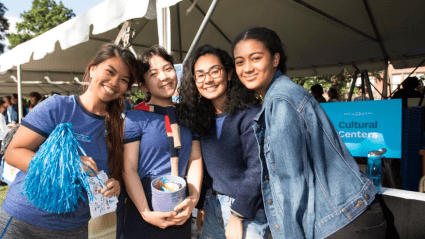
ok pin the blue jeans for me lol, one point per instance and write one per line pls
(217, 214)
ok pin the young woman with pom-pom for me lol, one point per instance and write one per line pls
(97, 123)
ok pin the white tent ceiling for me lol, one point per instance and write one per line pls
(320, 37)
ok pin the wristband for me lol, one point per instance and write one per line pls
(236, 214)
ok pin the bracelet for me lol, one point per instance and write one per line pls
(236, 214)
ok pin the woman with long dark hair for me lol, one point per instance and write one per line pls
(96, 119)
(215, 104)
(312, 186)
(149, 150)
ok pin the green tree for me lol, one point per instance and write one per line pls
(4, 25)
(43, 16)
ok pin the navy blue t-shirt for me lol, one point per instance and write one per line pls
(154, 151)
(91, 131)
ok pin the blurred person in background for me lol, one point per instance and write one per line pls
(11, 113)
(4, 113)
(35, 98)
(14, 102)
(360, 97)
(317, 91)
(3, 127)
(409, 90)
(128, 102)
(333, 95)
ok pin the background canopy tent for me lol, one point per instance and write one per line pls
(320, 37)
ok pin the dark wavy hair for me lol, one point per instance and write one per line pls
(114, 108)
(197, 112)
(269, 38)
(144, 59)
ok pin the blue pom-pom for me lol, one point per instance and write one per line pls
(55, 179)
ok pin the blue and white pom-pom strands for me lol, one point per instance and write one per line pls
(55, 178)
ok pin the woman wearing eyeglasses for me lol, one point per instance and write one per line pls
(215, 104)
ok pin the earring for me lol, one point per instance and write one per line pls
(199, 97)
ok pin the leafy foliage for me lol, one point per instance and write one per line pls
(137, 96)
(4, 25)
(43, 16)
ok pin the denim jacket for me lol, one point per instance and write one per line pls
(311, 185)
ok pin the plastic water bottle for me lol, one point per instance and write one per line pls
(374, 167)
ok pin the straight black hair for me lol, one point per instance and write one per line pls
(269, 38)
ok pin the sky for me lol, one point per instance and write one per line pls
(16, 7)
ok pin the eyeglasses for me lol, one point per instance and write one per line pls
(214, 72)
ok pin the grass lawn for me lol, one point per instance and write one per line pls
(3, 192)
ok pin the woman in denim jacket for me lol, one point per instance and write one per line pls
(311, 185)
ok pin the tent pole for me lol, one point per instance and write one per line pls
(164, 26)
(375, 29)
(201, 29)
(416, 68)
(385, 84)
(353, 83)
(20, 113)
(167, 29)
(368, 88)
(334, 19)
(212, 23)
(179, 31)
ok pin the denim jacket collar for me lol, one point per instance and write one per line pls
(269, 89)
(271, 85)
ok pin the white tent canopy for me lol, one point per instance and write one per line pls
(320, 37)
(62, 53)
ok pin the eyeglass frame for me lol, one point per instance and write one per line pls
(208, 73)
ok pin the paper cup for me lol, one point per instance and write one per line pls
(166, 201)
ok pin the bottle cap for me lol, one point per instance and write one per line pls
(377, 153)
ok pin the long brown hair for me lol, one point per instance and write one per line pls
(114, 108)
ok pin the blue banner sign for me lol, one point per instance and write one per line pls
(366, 126)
